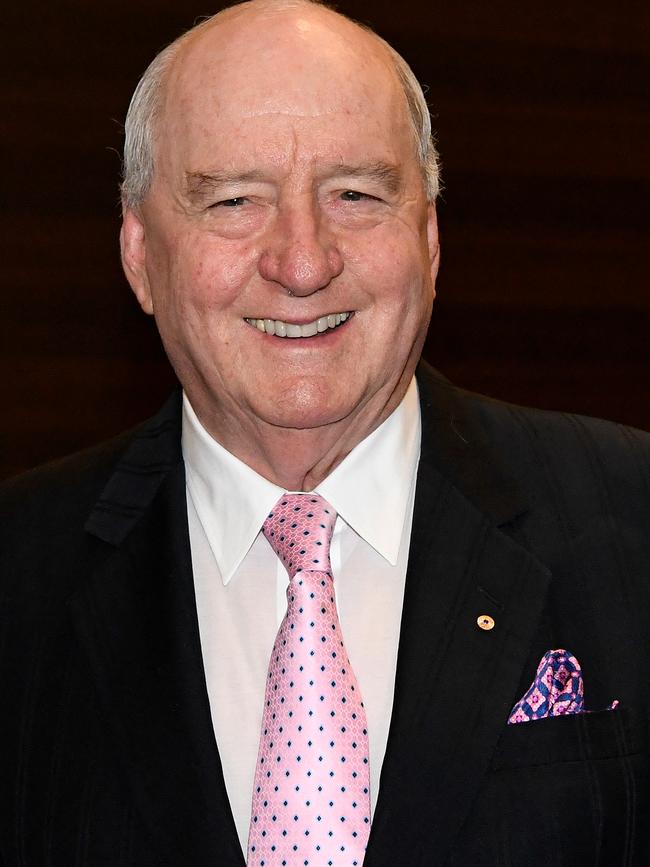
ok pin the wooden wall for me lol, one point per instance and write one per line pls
(543, 128)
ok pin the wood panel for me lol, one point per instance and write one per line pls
(542, 124)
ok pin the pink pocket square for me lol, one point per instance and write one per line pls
(558, 689)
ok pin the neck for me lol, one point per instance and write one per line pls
(298, 459)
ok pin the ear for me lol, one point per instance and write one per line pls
(432, 241)
(133, 250)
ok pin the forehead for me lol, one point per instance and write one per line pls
(304, 73)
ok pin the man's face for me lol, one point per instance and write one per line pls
(287, 191)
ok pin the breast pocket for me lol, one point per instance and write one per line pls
(576, 737)
(568, 790)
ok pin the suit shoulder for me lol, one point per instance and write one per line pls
(539, 447)
(586, 463)
(502, 415)
(42, 517)
(76, 481)
(61, 491)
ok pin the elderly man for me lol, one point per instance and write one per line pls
(317, 611)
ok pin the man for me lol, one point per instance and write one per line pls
(279, 223)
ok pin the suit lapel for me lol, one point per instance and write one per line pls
(136, 620)
(455, 682)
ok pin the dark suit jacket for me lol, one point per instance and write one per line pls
(537, 519)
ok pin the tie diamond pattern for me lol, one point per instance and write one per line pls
(311, 796)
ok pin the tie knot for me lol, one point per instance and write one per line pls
(299, 529)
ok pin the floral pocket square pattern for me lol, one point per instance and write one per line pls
(557, 689)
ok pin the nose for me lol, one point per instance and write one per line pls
(300, 254)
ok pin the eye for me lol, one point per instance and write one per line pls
(237, 202)
(354, 196)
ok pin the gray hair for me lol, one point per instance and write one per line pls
(146, 102)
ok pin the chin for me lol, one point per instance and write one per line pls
(304, 418)
(307, 406)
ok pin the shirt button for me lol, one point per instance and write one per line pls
(484, 621)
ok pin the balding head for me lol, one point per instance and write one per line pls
(282, 236)
(244, 25)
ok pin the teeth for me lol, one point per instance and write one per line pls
(287, 329)
(310, 329)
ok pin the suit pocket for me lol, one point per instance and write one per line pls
(572, 738)
(568, 790)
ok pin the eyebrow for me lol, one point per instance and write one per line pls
(385, 174)
(200, 184)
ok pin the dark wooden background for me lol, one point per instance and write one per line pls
(542, 124)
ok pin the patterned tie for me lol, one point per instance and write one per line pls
(311, 797)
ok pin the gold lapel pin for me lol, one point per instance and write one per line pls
(484, 621)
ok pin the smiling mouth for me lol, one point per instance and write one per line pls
(289, 329)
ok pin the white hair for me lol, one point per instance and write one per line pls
(144, 109)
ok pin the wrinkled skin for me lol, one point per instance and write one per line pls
(286, 186)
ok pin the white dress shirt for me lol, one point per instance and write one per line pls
(241, 584)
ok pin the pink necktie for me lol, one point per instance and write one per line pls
(311, 797)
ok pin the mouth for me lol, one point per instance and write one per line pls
(289, 329)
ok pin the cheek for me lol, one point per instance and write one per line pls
(394, 271)
(201, 276)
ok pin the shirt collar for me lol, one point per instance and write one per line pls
(231, 500)
(369, 489)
